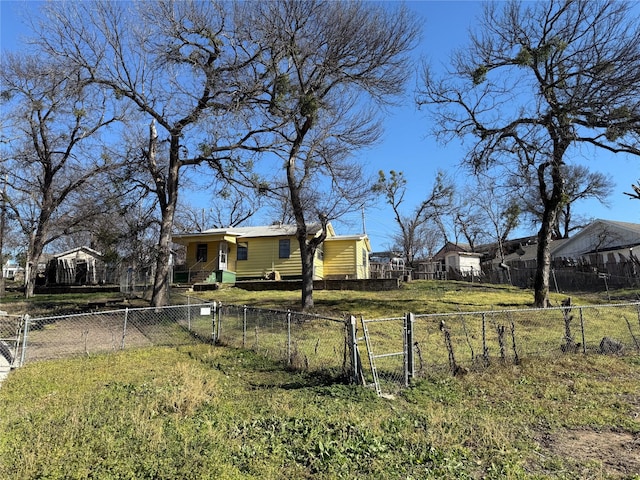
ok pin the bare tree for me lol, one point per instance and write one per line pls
(394, 189)
(3, 229)
(57, 155)
(500, 209)
(580, 184)
(537, 80)
(181, 65)
(636, 191)
(229, 207)
(325, 65)
(469, 219)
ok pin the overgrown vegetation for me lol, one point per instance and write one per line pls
(215, 412)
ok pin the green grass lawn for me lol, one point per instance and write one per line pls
(422, 296)
(217, 412)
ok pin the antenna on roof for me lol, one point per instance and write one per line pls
(364, 227)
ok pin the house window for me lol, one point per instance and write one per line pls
(320, 252)
(243, 251)
(201, 252)
(284, 248)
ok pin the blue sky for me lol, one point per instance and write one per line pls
(406, 145)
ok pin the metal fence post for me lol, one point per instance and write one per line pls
(189, 312)
(288, 337)
(25, 336)
(409, 363)
(353, 346)
(124, 328)
(244, 326)
(584, 344)
(215, 320)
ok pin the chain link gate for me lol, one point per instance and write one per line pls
(11, 342)
(389, 343)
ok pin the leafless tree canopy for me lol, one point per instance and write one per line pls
(55, 156)
(414, 227)
(183, 68)
(579, 184)
(536, 80)
(326, 66)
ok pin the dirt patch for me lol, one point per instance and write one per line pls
(618, 452)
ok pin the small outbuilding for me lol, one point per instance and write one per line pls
(459, 258)
(78, 266)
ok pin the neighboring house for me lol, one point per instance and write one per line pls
(225, 255)
(600, 243)
(526, 255)
(603, 250)
(11, 270)
(78, 266)
(458, 257)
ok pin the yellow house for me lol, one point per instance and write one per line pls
(247, 253)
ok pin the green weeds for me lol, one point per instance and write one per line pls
(200, 411)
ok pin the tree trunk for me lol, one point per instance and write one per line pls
(34, 251)
(168, 199)
(307, 254)
(543, 261)
(549, 215)
(3, 213)
(160, 295)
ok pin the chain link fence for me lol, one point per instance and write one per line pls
(11, 328)
(395, 350)
(300, 341)
(415, 346)
(104, 331)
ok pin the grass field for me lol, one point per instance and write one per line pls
(216, 412)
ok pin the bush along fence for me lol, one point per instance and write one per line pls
(403, 349)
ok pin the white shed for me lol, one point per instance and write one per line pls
(460, 258)
(78, 266)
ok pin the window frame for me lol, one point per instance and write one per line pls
(282, 252)
(242, 246)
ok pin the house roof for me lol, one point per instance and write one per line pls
(275, 230)
(608, 234)
(88, 250)
(530, 252)
(449, 247)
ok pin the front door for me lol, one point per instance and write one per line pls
(222, 255)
